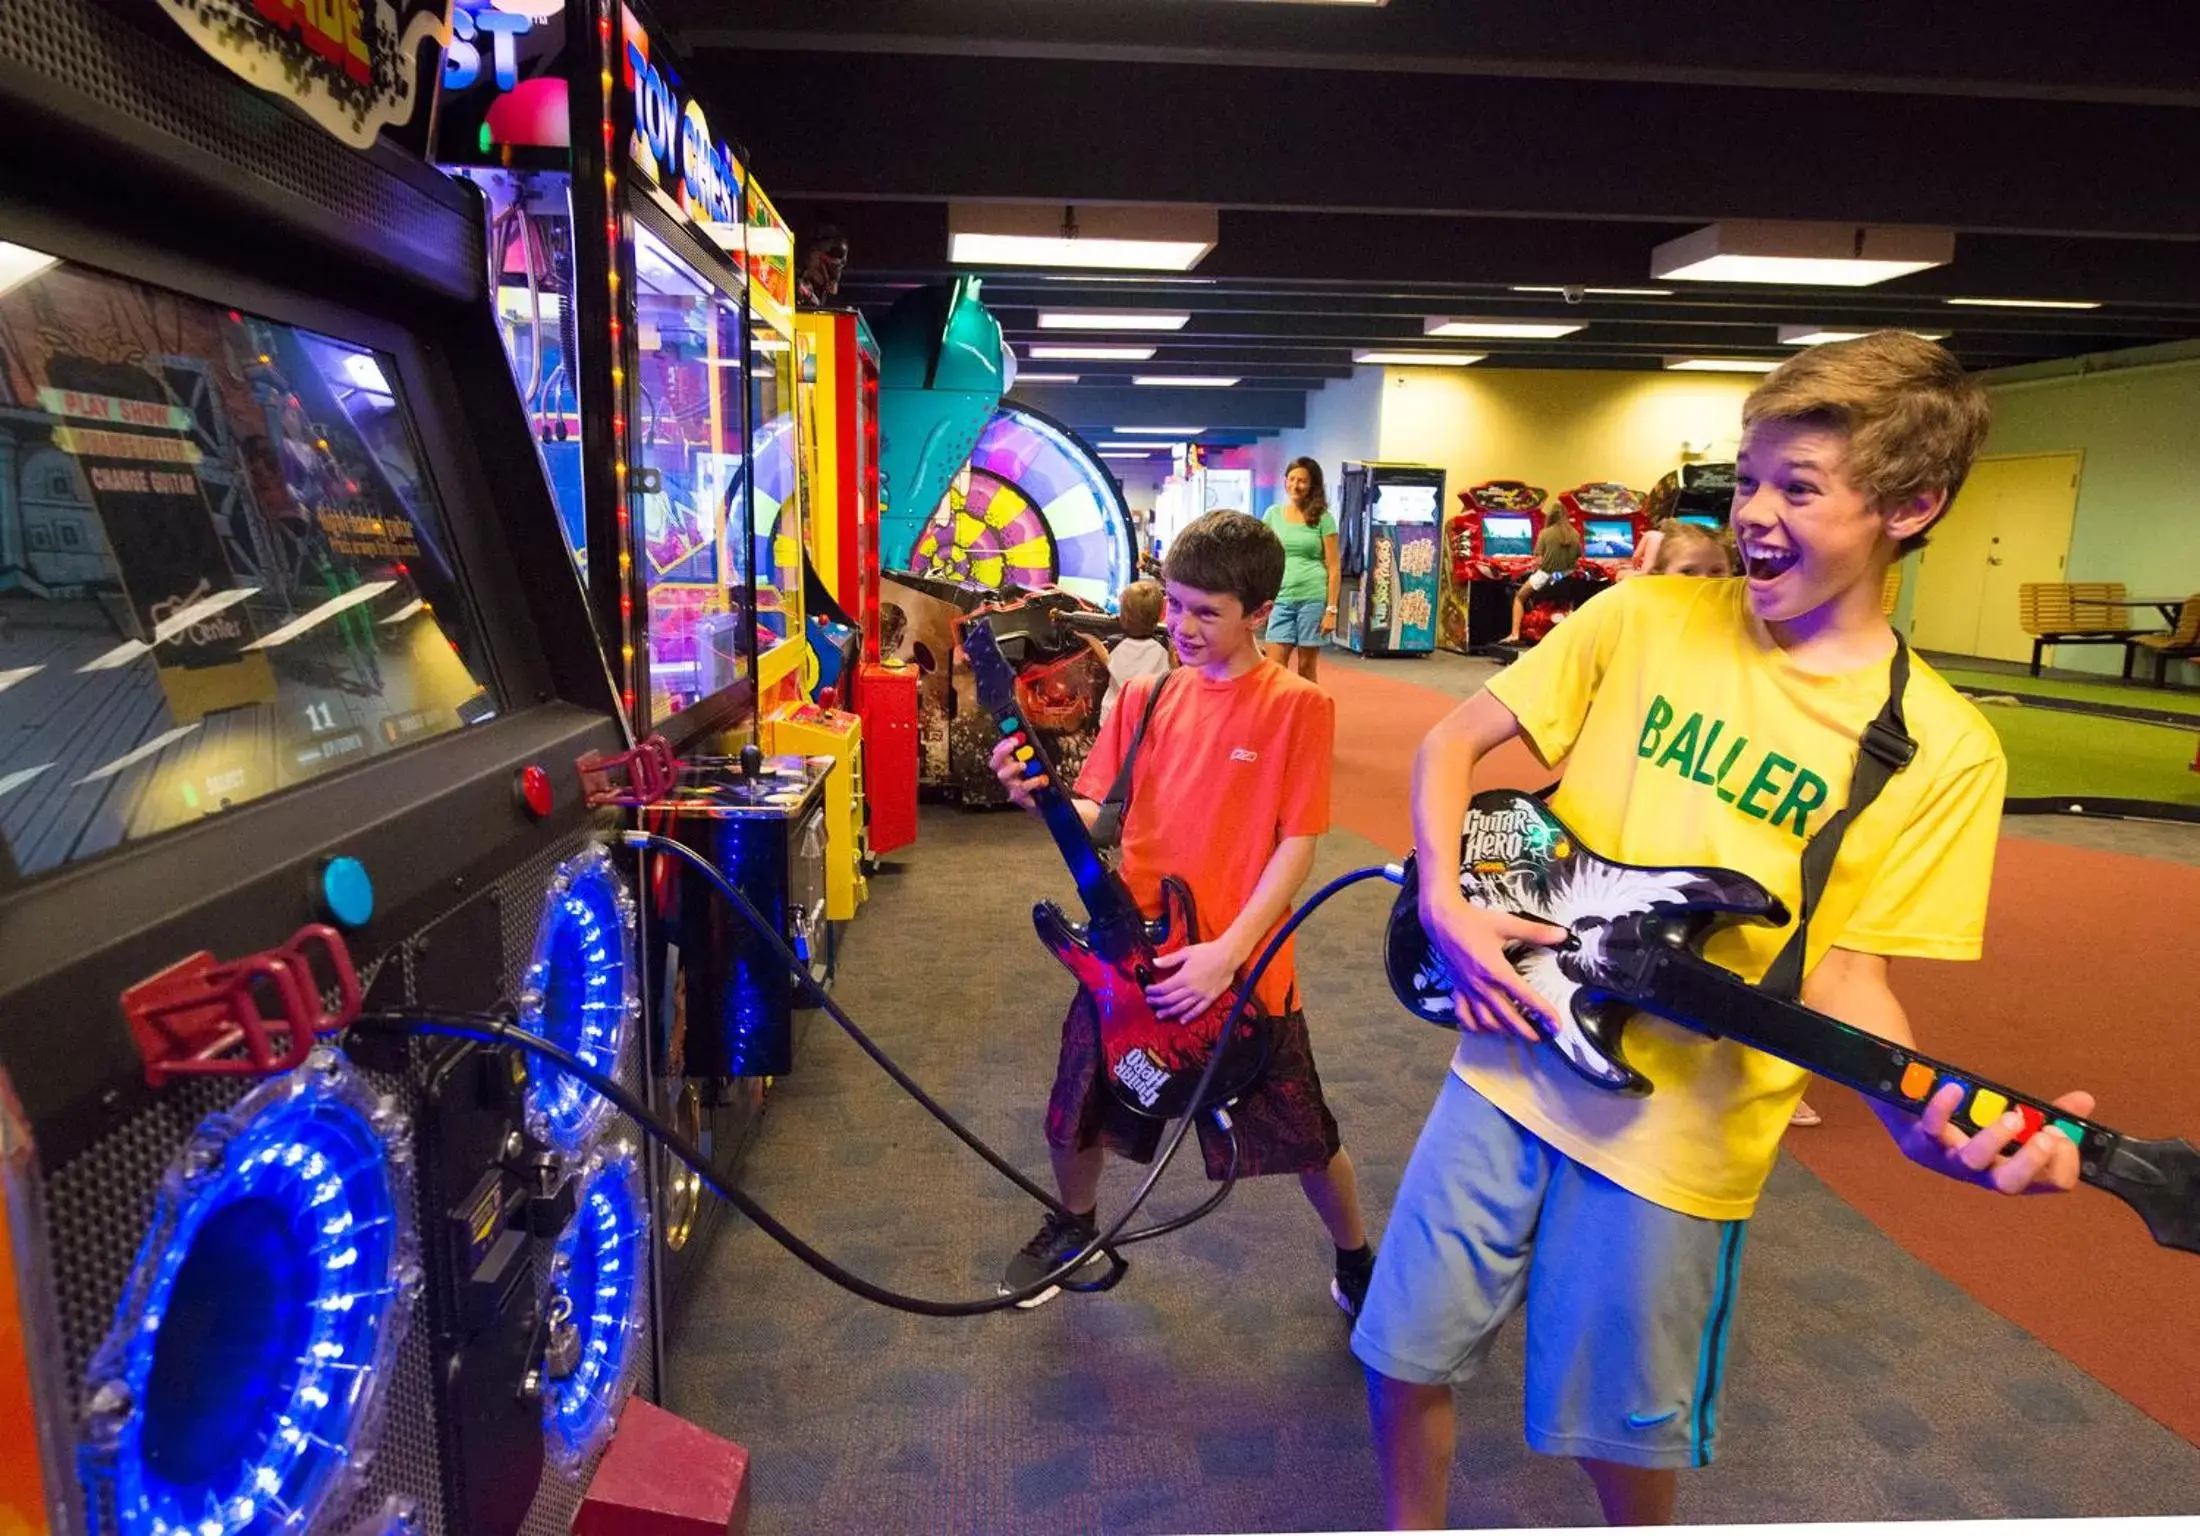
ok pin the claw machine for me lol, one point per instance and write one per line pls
(644, 287)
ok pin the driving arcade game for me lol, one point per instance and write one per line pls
(645, 290)
(1387, 525)
(297, 678)
(1490, 546)
(1611, 520)
(1695, 493)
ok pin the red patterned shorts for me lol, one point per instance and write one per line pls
(1283, 1123)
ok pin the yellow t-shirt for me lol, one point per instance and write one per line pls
(1692, 739)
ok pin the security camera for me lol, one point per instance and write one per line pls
(1573, 293)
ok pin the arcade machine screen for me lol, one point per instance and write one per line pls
(1700, 519)
(1507, 535)
(684, 413)
(223, 570)
(1399, 503)
(1608, 538)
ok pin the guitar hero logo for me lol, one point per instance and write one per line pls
(663, 126)
(1500, 837)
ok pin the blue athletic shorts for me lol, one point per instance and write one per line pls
(1297, 621)
(1629, 1304)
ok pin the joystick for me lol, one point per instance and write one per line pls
(752, 763)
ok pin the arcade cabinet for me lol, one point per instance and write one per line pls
(298, 675)
(645, 290)
(1491, 544)
(1387, 547)
(840, 372)
(1694, 493)
(1611, 520)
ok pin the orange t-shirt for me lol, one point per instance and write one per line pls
(1227, 771)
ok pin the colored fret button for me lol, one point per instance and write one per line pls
(1024, 754)
(2033, 1120)
(2075, 1132)
(1917, 1081)
(1010, 724)
(1986, 1107)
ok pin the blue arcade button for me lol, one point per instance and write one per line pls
(347, 892)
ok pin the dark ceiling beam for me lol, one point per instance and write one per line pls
(1478, 259)
(1270, 409)
(839, 124)
(2141, 52)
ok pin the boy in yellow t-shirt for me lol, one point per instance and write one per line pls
(1706, 722)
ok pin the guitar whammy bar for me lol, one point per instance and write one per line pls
(1636, 937)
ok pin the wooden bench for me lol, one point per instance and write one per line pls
(2183, 641)
(2075, 613)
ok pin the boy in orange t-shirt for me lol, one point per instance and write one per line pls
(1230, 793)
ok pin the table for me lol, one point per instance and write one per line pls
(2170, 608)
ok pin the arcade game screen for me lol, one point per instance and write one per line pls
(1608, 538)
(1700, 519)
(1396, 503)
(223, 570)
(1508, 535)
(684, 413)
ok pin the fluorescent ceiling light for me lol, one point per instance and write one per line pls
(2028, 303)
(1161, 431)
(1046, 378)
(1815, 335)
(1720, 365)
(1807, 255)
(1143, 237)
(1421, 359)
(21, 777)
(1183, 381)
(10, 676)
(1141, 457)
(1495, 330)
(1112, 320)
(1172, 279)
(1108, 447)
(1094, 354)
(321, 615)
(19, 264)
(1605, 293)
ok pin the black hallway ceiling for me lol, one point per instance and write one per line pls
(1378, 165)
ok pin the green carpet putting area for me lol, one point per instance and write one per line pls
(2054, 752)
(2177, 701)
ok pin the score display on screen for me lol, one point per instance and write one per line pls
(1608, 538)
(1508, 536)
(238, 576)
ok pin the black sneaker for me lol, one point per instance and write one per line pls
(1058, 1238)
(1348, 1288)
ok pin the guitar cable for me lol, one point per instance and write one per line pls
(502, 1029)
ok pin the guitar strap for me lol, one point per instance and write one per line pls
(1885, 750)
(1107, 828)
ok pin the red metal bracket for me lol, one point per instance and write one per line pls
(651, 773)
(190, 1019)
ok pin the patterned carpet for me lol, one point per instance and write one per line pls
(1213, 1391)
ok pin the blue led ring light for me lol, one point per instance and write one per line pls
(597, 1286)
(242, 1387)
(579, 991)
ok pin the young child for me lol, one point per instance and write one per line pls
(1230, 792)
(1138, 653)
(1690, 549)
(1619, 1221)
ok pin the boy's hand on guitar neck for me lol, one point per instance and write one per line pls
(2045, 1165)
(1488, 993)
(1010, 772)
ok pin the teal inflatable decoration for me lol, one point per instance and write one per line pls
(942, 370)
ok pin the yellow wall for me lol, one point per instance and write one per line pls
(1557, 428)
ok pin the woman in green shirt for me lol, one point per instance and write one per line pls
(1306, 607)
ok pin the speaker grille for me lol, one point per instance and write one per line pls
(165, 83)
(99, 1204)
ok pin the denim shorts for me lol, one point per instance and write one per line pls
(1629, 1304)
(1297, 621)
